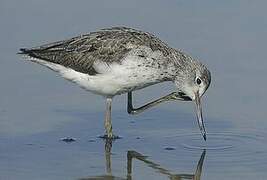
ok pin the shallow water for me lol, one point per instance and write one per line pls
(38, 109)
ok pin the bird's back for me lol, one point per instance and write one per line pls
(107, 45)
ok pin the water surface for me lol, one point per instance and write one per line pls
(38, 108)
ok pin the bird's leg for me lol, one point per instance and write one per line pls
(132, 110)
(108, 125)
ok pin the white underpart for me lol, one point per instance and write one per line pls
(113, 79)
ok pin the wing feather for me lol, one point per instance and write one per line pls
(107, 45)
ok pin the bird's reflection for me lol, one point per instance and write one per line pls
(138, 156)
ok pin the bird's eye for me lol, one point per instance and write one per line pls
(199, 81)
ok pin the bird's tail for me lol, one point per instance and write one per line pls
(23, 51)
(27, 52)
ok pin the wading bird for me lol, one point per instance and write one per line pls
(120, 60)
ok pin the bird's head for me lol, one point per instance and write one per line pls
(192, 81)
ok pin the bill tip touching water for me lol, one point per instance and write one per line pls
(120, 60)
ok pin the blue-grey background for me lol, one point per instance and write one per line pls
(37, 107)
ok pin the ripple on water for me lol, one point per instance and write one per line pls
(214, 142)
(219, 141)
(249, 148)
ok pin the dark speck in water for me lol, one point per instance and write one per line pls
(68, 139)
(29, 144)
(91, 140)
(169, 148)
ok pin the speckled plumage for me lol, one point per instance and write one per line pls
(113, 45)
(107, 45)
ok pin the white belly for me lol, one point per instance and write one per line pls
(113, 79)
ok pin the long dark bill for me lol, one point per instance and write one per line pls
(199, 116)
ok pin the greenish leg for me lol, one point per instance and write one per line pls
(132, 110)
(108, 124)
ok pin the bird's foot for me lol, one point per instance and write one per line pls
(109, 137)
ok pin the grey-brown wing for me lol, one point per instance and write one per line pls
(78, 53)
(107, 45)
